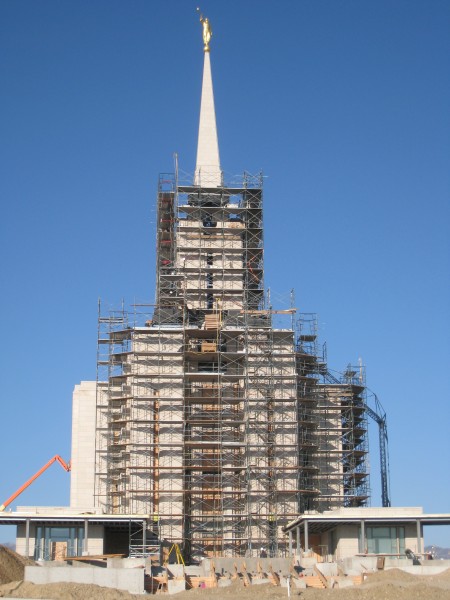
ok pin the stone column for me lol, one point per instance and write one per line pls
(306, 536)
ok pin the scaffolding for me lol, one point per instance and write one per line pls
(212, 421)
(337, 438)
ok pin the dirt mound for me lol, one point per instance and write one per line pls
(444, 576)
(63, 591)
(383, 591)
(12, 565)
(392, 584)
(400, 580)
(389, 585)
(417, 590)
(394, 576)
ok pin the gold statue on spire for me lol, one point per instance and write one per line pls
(207, 31)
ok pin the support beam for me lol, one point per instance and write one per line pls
(27, 538)
(419, 535)
(144, 536)
(86, 537)
(306, 536)
(363, 537)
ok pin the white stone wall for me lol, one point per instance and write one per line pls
(347, 540)
(21, 540)
(83, 445)
(95, 540)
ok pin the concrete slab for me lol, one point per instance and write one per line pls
(328, 569)
(194, 570)
(308, 561)
(226, 565)
(130, 580)
(261, 581)
(176, 571)
(175, 586)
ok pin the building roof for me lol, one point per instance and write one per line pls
(67, 516)
(318, 522)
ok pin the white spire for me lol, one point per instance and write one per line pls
(207, 169)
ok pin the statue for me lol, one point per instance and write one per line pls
(207, 31)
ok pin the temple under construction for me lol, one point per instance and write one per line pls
(216, 416)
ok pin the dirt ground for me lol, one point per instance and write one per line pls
(385, 585)
(388, 585)
(12, 565)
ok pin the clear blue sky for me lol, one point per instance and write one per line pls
(345, 107)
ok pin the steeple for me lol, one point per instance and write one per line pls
(207, 169)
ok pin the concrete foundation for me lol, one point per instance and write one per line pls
(224, 566)
(355, 565)
(175, 586)
(258, 581)
(131, 580)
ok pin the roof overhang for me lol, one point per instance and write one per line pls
(320, 522)
(72, 520)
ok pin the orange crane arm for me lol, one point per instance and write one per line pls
(56, 458)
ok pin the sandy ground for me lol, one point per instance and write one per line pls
(387, 585)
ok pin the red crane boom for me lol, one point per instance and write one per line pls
(56, 458)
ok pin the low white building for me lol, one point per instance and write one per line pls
(338, 534)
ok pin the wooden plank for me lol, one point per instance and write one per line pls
(321, 576)
(245, 576)
(274, 576)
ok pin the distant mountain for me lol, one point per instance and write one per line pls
(437, 552)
